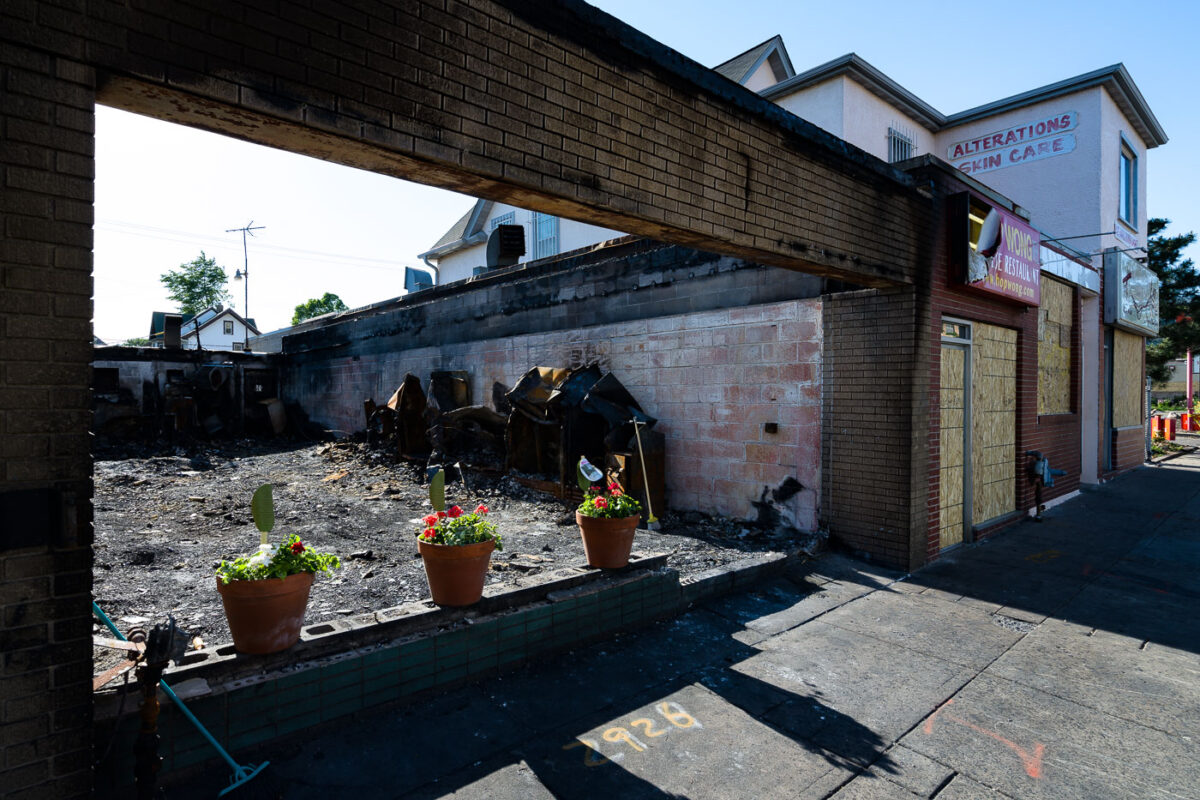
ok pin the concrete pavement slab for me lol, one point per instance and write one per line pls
(1016, 585)
(947, 631)
(870, 787)
(499, 780)
(1157, 687)
(911, 770)
(623, 668)
(1029, 744)
(688, 743)
(963, 788)
(804, 607)
(850, 693)
(1125, 604)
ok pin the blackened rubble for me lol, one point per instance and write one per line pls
(164, 519)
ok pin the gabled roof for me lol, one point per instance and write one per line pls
(189, 322)
(739, 68)
(467, 232)
(210, 316)
(157, 322)
(1115, 79)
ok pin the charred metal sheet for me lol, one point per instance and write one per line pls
(449, 390)
(409, 406)
(472, 435)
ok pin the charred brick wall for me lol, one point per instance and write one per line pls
(874, 426)
(46, 107)
(713, 347)
(557, 107)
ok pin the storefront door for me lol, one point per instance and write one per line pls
(978, 424)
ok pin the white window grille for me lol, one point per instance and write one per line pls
(902, 143)
(228, 327)
(545, 235)
(503, 219)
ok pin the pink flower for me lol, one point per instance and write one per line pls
(601, 502)
(614, 487)
(481, 509)
(297, 547)
(454, 513)
(430, 520)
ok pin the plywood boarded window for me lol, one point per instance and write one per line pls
(1055, 317)
(952, 409)
(993, 422)
(1129, 388)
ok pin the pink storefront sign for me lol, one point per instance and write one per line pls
(1006, 260)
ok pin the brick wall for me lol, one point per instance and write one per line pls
(874, 424)
(713, 378)
(45, 346)
(1057, 436)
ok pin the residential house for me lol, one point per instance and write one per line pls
(214, 328)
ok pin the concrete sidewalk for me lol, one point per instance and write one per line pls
(1059, 660)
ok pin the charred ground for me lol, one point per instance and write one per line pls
(165, 518)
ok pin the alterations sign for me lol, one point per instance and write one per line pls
(1006, 259)
(1020, 144)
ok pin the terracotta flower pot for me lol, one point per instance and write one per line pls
(266, 616)
(456, 572)
(607, 542)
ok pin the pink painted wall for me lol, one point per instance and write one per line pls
(713, 379)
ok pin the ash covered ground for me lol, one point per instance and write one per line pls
(165, 519)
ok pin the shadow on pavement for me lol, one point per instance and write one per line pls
(1125, 560)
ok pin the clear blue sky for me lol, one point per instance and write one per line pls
(164, 192)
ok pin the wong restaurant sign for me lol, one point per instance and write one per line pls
(1006, 260)
(1032, 141)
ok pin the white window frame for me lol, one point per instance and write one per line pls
(1127, 184)
(239, 345)
(228, 326)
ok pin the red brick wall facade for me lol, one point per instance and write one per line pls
(1057, 436)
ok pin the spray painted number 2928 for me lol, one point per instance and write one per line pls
(673, 714)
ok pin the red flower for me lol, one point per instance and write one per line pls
(430, 520)
(614, 487)
(454, 513)
(297, 547)
(481, 509)
(429, 533)
(441, 515)
(601, 502)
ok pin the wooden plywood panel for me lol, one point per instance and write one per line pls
(1129, 387)
(952, 407)
(993, 421)
(1055, 319)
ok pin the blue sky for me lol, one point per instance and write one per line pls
(164, 192)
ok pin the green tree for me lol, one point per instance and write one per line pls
(137, 341)
(1178, 298)
(196, 285)
(318, 306)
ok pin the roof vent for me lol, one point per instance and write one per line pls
(506, 245)
(416, 279)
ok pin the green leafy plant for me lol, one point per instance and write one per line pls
(291, 556)
(612, 503)
(453, 526)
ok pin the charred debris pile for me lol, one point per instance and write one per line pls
(535, 431)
